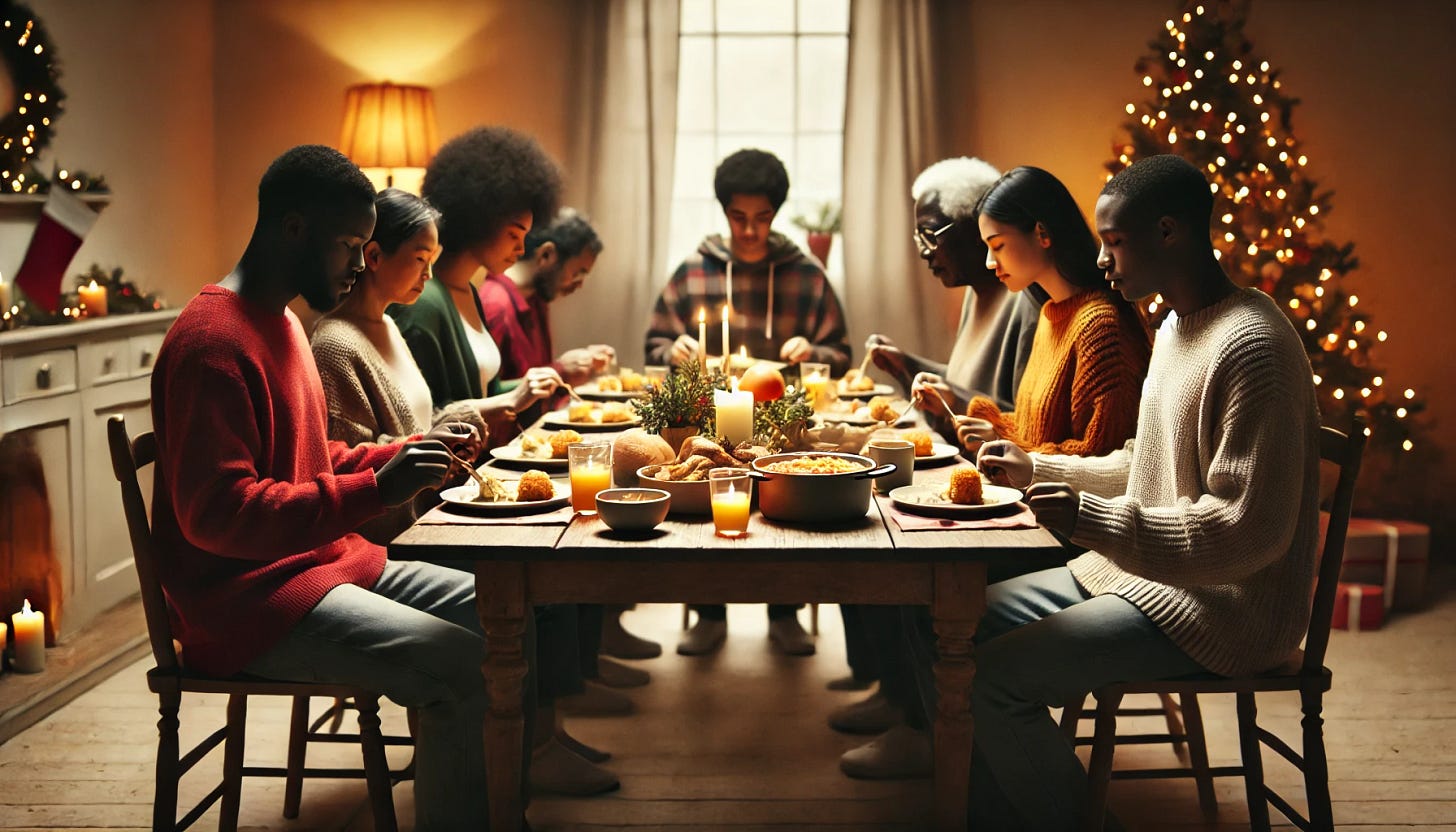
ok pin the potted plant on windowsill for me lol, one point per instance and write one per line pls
(821, 226)
(682, 405)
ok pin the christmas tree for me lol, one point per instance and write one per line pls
(1213, 100)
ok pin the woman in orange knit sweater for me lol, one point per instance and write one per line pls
(1079, 394)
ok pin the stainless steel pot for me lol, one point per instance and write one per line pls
(815, 498)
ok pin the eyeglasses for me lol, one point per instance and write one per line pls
(929, 241)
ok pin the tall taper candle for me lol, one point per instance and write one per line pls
(727, 352)
(702, 336)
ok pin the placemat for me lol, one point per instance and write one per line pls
(908, 522)
(438, 516)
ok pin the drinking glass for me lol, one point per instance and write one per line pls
(818, 384)
(730, 490)
(590, 465)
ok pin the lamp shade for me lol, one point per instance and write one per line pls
(389, 126)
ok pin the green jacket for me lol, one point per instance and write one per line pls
(435, 333)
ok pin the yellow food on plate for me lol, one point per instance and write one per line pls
(965, 486)
(580, 412)
(854, 381)
(560, 440)
(616, 412)
(883, 409)
(924, 443)
(534, 487)
(535, 444)
(632, 381)
(609, 384)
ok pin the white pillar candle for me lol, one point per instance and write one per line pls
(93, 298)
(4, 295)
(29, 640)
(735, 414)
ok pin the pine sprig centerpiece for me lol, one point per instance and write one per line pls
(684, 399)
(773, 419)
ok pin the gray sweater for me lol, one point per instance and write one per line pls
(1207, 520)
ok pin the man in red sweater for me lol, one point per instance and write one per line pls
(254, 508)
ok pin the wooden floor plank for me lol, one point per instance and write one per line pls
(738, 742)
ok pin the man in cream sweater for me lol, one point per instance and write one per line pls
(1202, 530)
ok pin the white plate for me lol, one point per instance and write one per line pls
(461, 499)
(880, 389)
(511, 456)
(590, 391)
(939, 452)
(861, 415)
(930, 500)
(557, 419)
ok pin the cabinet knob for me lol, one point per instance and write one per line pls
(108, 362)
(145, 359)
(43, 377)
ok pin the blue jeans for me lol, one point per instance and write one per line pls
(415, 637)
(1042, 643)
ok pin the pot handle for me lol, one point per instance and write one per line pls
(877, 471)
(755, 474)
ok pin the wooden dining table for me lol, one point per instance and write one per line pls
(868, 561)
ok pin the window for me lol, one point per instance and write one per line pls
(768, 74)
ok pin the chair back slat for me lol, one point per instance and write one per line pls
(127, 457)
(1345, 452)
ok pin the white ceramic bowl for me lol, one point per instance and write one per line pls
(633, 509)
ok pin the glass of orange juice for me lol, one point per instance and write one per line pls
(590, 464)
(730, 490)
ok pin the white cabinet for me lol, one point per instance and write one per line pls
(62, 533)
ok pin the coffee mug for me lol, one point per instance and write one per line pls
(897, 451)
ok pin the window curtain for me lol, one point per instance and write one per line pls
(891, 133)
(624, 113)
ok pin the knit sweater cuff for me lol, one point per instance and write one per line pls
(359, 494)
(1102, 524)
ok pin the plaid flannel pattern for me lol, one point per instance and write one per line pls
(804, 303)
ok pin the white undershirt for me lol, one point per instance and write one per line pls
(395, 353)
(487, 354)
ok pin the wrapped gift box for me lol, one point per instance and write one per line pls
(1358, 607)
(1392, 554)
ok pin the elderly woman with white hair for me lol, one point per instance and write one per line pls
(996, 327)
(991, 349)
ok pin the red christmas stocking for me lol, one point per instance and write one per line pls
(64, 222)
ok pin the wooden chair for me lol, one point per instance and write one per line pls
(169, 680)
(1309, 677)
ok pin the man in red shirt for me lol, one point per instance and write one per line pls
(254, 508)
(558, 258)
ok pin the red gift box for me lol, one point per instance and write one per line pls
(1392, 554)
(1358, 607)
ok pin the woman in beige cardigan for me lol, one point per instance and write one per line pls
(375, 392)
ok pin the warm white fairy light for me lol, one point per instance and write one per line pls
(1309, 324)
(1364, 392)
(1407, 444)
(1400, 412)
(1294, 303)
(1317, 379)
(1360, 327)
(1131, 109)
(1339, 393)
(1354, 300)
(1377, 381)
(1381, 336)
(1409, 393)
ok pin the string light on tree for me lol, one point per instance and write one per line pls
(1268, 210)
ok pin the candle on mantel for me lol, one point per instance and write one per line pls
(735, 414)
(4, 294)
(29, 640)
(703, 336)
(727, 352)
(93, 299)
(4, 630)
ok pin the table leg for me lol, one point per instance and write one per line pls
(960, 599)
(500, 596)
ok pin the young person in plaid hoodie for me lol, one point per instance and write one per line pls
(781, 304)
(781, 307)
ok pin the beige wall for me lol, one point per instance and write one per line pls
(139, 111)
(282, 67)
(1043, 82)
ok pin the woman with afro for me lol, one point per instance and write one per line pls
(490, 185)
